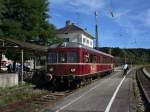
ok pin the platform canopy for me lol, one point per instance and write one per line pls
(7, 43)
(22, 47)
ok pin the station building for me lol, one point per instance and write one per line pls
(73, 33)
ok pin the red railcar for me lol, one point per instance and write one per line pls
(72, 61)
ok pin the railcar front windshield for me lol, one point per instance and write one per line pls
(63, 57)
(72, 57)
(52, 57)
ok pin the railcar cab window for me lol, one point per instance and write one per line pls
(86, 58)
(62, 57)
(72, 57)
(52, 57)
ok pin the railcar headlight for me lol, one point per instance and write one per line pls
(51, 69)
(73, 70)
(48, 77)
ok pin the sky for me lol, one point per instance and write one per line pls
(128, 28)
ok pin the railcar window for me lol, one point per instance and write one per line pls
(107, 60)
(86, 58)
(104, 60)
(62, 57)
(91, 58)
(101, 59)
(52, 57)
(72, 57)
(95, 59)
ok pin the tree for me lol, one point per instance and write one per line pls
(1, 10)
(26, 19)
(1, 7)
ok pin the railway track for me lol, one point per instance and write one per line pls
(35, 103)
(143, 81)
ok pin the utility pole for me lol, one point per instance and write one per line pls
(96, 29)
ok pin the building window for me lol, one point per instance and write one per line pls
(91, 43)
(87, 41)
(66, 39)
(79, 39)
(83, 40)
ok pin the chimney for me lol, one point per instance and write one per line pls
(68, 23)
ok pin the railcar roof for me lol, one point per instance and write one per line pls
(76, 45)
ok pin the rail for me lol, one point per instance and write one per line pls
(146, 73)
(143, 80)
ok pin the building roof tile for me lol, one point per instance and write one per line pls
(71, 29)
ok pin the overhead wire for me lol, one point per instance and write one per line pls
(113, 15)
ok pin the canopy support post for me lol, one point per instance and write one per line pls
(22, 63)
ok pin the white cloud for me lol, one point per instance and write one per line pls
(147, 19)
(81, 6)
(121, 13)
(132, 20)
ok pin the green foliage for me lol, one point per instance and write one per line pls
(1, 7)
(1, 10)
(26, 20)
(13, 55)
(134, 56)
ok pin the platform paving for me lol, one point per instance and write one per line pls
(97, 96)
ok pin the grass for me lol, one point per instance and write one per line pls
(17, 93)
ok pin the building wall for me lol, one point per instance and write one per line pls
(73, 37)
(8, 80)
(77, 37)
(87, 41)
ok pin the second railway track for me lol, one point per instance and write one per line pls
(144, 85)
